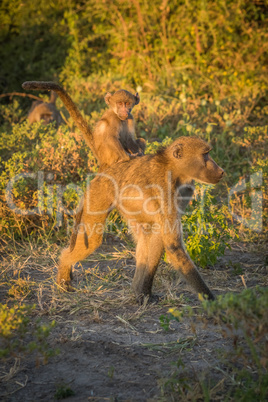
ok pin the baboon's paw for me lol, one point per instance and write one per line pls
(148, 299)
(65, 286)
(155, 299)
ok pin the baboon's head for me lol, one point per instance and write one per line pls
(191, 160)
(122, 102)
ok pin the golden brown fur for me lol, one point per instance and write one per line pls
(151, 200)
(113, 138)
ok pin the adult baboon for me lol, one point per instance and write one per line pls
(45, 111)
(148, 192)
(113, 138)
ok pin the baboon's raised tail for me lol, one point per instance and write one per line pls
(69, 104)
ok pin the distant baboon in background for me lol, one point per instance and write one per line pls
(148, 192)
(113, 138)
(45, 111)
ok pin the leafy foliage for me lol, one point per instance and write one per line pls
(207, 229)
(30, 156)
(19, 334)
(243, 317)
(166, 44)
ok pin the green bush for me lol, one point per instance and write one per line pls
(176, 46)
(243, 318)
(21, 333)
(206, 228)
(41, 154)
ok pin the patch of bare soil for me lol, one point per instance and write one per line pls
(111, 348)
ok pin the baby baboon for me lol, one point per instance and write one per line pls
(45, 111)
(113, 139)
(147, 192)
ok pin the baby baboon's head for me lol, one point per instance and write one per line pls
(122, 102)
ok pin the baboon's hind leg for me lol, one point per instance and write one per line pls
(86, 237)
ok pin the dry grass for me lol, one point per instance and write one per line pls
(103, 281)
(103, 313)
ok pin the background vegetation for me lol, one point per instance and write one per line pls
(200, 68)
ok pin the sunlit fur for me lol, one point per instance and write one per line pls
(113, 139)
(133, 188)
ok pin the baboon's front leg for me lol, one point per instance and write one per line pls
(178, 257)
(148, 254)
(180, 260)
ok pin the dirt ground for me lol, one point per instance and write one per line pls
(110, 348)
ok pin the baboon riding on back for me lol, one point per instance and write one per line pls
(149, 192)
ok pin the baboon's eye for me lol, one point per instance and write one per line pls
(206, 155)
(128, 104)
(120, 103)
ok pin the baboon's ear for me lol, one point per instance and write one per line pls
(107, 98)
(137, 98)
(178, 151)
